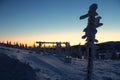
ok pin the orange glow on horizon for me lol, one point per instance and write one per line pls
(73, 38)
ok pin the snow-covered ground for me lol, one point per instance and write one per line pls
(50, 67)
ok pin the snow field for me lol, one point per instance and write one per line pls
(49, 67)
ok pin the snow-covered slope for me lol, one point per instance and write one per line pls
(49, 67)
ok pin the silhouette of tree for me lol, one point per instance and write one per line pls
(90, 32)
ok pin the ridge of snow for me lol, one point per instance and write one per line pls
(49, 67)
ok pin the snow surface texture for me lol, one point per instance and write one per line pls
(50, 67)
(12, 69)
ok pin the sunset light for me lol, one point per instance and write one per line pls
(30, 21)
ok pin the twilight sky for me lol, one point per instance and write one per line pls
(28, 21)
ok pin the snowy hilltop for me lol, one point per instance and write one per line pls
(52, 67)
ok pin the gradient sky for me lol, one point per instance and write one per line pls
(28, 21)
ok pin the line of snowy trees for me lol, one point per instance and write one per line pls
(15, 45)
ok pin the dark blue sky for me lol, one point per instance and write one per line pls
(55, 20)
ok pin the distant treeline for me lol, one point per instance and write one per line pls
(109, 45)
(106, 50)
(15, 45)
